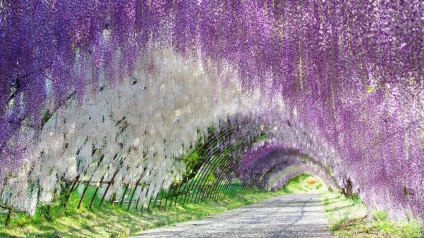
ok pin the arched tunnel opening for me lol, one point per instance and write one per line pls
(227, 160)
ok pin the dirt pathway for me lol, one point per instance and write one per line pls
(296, 215)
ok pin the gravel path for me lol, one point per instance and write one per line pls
(296, 215)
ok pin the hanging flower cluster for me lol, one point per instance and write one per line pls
(266, 166)
(82, 89)
(261, 168)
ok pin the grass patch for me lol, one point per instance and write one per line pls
(348, 218)
(114, 221)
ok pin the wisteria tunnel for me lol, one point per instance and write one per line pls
(160, 102)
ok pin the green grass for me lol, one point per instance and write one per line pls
(348, 218)
(115, 221)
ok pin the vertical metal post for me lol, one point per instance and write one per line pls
(170, 192)
(161, 198)
(95, 192)
(148, 206)
(108, 186)
(142, 205)
(83, 194)
(136, 204)
(70, 191)
(132, 196)
(123, 195)
(112, 199)
(9, 215)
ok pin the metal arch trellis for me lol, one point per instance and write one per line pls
(224, 162)
(195, 187)
(223, 175)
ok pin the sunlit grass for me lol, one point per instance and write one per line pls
(348, 218)
(115, 221)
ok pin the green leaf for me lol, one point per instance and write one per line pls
(369, 89)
